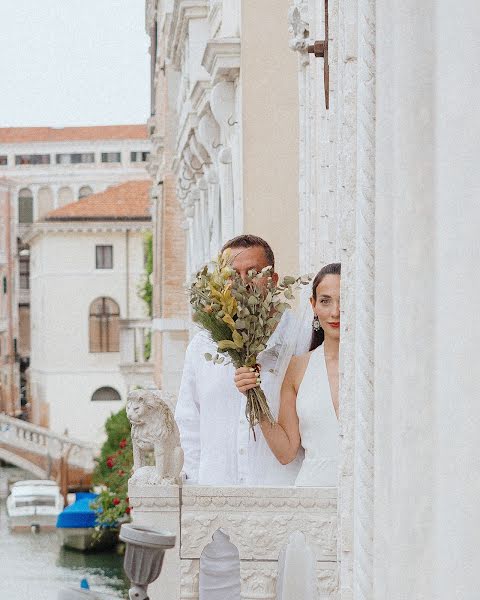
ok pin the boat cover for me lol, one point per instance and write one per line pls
(79, 514)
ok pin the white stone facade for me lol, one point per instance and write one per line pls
(203, 70)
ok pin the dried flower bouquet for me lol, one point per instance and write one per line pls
(240, 316)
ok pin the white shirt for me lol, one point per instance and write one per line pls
(218, 445)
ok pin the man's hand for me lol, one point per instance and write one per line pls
(247, 378)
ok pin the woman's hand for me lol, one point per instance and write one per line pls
(247, 378)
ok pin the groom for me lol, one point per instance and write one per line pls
(218, 446)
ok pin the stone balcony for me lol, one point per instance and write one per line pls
(136, 362)
(259, 522)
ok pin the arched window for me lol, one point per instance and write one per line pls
(65, 196)
(103, 325)
(105, 394)
(84, 191)
(44, 202)
(25, 206)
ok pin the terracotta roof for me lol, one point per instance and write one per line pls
(127, 201)
(12, 135)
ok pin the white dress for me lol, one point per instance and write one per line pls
(318, 425)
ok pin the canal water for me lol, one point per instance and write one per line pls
(35, 566)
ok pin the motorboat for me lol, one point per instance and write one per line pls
(34, 504)
(77, 526)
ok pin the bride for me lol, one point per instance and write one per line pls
(308, 414)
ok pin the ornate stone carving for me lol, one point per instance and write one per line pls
(154, 428)
(259, 502)
(189, 573)
(327, 578)
(154, 503)
(258, 580)
(258, 535)
(299, 26)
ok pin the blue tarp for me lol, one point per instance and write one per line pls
(79, 514)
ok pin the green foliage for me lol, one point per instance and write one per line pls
(117, 428)
(113, 469)
(145, 289)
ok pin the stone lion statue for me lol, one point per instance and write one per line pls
(154, 428)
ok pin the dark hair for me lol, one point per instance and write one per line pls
(251, 241)
(331, 269)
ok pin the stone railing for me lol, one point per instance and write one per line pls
(136, 364)
(259, 522)
(267, 530)
(41, 441)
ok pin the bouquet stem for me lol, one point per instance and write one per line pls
(257, 407)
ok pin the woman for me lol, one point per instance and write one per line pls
(308, 413)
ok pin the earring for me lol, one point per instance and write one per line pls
(316, 324)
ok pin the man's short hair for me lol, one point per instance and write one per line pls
(251, 241)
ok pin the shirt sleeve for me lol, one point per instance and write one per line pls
(187, 415)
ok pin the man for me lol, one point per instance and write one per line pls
(219, 448)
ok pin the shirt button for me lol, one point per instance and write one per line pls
(242, 451)
(242, 479)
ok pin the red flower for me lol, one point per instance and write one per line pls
(116, 501)
(123, 443)
(127, 510)
(110, 462)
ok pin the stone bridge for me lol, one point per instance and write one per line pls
(47, 455)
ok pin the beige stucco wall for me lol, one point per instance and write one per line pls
(64, 281)
(270, 130)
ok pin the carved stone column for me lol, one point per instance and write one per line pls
(208, 133)
(222, 103)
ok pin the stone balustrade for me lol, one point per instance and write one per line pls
(259, 522)
(27, 437)
(256, 527)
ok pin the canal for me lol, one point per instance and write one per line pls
(35, 566)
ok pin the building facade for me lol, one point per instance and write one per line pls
(87, 264)
(9, 364)
(52, 167)
(386, 182)
(215, 118)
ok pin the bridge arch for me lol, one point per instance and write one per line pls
(22, 463)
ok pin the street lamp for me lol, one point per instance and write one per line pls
(144, 552)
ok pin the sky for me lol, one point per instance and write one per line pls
(73, 62)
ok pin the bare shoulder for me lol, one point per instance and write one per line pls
(296, 369)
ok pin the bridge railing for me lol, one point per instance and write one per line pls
(39, 440)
